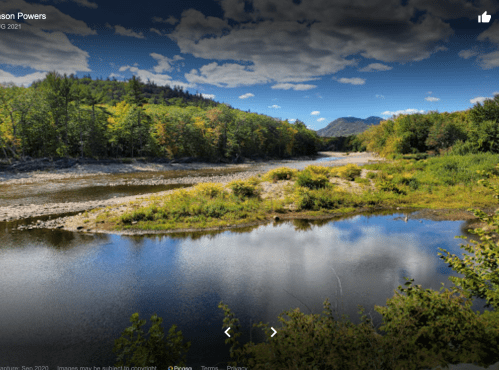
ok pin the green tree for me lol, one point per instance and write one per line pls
(135, 348)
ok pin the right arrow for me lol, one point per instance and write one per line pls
(227, 331)
(273, 331)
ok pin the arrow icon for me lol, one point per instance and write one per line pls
(275, 332)
(227, 331)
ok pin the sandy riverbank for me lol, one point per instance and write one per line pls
(219, 174)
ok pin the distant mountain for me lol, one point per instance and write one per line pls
(346, 126)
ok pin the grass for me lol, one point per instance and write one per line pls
(448, 182)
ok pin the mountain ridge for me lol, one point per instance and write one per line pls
(346, 126)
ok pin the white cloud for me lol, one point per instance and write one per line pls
(404, 111)
(274, 106)
(380, 96)
(353, 81)
(41, 45)
(226, 75)
(429, 92)
(431, 98)
(116, 75)
(291, 120)
(86, 4)
(165, 64)
(171, 20)
(278, 46)
(495, 93)
(297, 87)
(375, 67)
(466, 54)
(315, 113)
(156, 31)
(489, 61)
(120, 30)
(246, 96)
(321, 119)
(159, 79)
(479, 99)
(26, 80)
(208, 96)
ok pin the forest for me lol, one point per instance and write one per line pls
(67, 116)
(472, 131)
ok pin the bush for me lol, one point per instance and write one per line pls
(243, 188)
(134, 348)
(210, 190)
(311, 180)
(318, 199)
(282, 173)
(348, 172)
(319, 170)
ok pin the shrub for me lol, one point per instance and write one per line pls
(210, 190)
(134, 348)
(311, 180)
(319, 170)
(282, 173)
(243, 188)
(348, 172)
(362, 181)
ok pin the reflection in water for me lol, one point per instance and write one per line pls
(66, 296)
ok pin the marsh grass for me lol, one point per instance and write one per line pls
(447, 182)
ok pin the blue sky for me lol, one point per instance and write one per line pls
(314, 60)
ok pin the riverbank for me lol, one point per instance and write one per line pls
(286, 193)
(136, 173)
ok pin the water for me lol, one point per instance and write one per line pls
(67, 296)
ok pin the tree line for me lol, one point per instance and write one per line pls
(472, 131)
(63, 116)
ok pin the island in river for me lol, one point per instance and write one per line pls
(277, 198)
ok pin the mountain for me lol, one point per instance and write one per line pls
(346, 126)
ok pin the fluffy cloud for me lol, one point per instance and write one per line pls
(291, 120)
(274, 106)
(489, 61)
(165, 64)
(171, 20)
(208, 96)
(380, 96)
(352, 81)
(246, 96)
(53, 48)
(405, 111)
(86, 4)
(156, 31)
(122, 31)
(297, 87)
(431, 98)
(466, 54)
(117, 75)
(375, 67)
(291, 42)
(159, 79)
(226, 75)
(315, 113)
(6, 77)
(479, 99)
(321, 119)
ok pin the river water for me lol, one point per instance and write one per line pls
(66, 296)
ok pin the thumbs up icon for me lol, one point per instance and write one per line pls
(484, 18)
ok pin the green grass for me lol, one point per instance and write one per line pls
(448, 182)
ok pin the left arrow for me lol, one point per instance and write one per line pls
(227, 331)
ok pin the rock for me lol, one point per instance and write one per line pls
(134, 222)
(79, 227)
